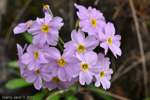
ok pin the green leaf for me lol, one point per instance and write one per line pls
(12, 64)
(55, 97)
(28, 37)
(17, 83)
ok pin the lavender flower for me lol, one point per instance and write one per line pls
(61, 66)
(91, 20)
(81, 44)
(22, 27)
(46, 30)
(34, 57)
(37, 76)
(87, 67)
(110, 40)
(104, 75)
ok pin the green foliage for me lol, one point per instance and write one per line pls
(17, 83)
(28, 37)
(12, 64)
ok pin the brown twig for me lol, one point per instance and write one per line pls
(140, 46)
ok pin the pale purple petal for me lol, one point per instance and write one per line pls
(116, 38)
(109, 29)
(31, 66)
(97, 83)
(38, 82)
(46, 76)
(105, 83)
(91, 42)
(62, 74)
(90, 57)
(31, 78)
(115, 50)
(105, 46)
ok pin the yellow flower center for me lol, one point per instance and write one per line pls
(45, 6)
(93, 21)
(61, 62)
(88, 11)
(84, 66)
(102, 74)
(36, 54)
(109, 40)
(28, 24)
(56, 79)
(37, 72)
(81, 48)
(45, 28)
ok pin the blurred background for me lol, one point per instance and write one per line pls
(131, 78)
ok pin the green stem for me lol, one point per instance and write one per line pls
(61, 40)
(51, 12)
(77, 25)
(60, 46)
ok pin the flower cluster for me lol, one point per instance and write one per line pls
(47, 67)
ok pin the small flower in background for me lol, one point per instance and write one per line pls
(105, 72)
(80, 43)
(91, 20)
(22, 27)
(34, 57)
(63, 65)
(37, 76)
(110, 40)
(87, 67)
(45, 30)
